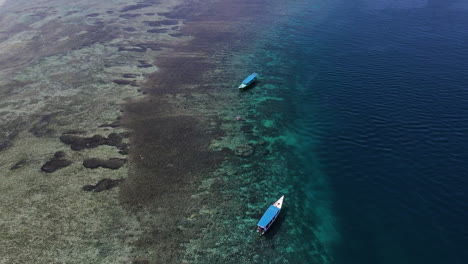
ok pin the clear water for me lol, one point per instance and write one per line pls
(362, 104)
(374, 115)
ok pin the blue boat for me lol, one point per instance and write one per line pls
(270, 216)
(248, 81)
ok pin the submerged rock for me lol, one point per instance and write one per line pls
(106, 184)
(57, 162)
(122, 82)
(102, 185)
(80, 143)
(144, 64)
(113, 163)
(93, 15)
(244, 150)
(88, 188)
(114, 139)
(59, 154)
(123, 149)
(130, 75)
(19, 164)
(130, 29)
(133, 48)
(125, 134)
(152, 46)
(134, 7)
(157, 30)
(166, 22)
(176, 35)
(113, 124)
(129, 16)
(75, 131)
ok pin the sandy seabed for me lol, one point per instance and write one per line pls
(129, 104)
(67, 70)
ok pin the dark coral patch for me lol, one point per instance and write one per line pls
(140, 47)
(59, 154)
(113, 163)
(144, 64)
(114, 139)
(130, 29)
(124, 150)
(57, 162)
(19, 164)
(125, 134)
(93, 15)
(161, 23)
(177, 14)
(71, 13)
(113, 124)
(133, 48)
(123, 82)
(130, 75)
(88, 188)
(150, 46)
(102, 185)
(129, 16)
(80, 143)
(75, 131)
(157, 30)
(134, 7)
(106, 184)
(169, 22)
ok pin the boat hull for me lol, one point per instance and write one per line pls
(270, 216)
(248, 81)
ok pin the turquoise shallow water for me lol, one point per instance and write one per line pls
(285, 113)
(372, 120)
(359, 118)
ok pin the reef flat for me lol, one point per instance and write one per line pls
(124, 139)
(65, 72)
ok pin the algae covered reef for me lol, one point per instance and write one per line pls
(119, 141)
(66, 71)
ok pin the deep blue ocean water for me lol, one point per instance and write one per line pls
(377, 100)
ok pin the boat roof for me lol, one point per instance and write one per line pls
(268, 216)
(250, 78)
